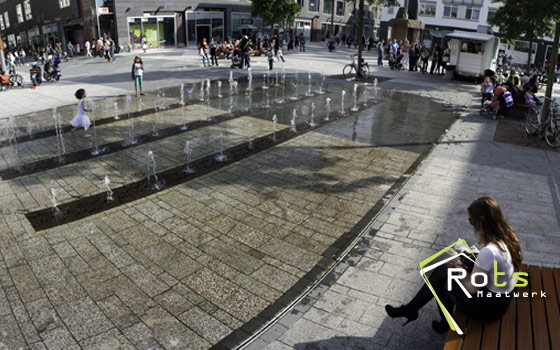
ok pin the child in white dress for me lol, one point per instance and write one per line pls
(81, 119)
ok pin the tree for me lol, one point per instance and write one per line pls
(360, 23)
(519, 18)
(553, 15)
(275, 11)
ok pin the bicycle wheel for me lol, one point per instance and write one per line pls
(16, 79)
(532, 121)
(349, 71)
(365, 70)
(552, 134)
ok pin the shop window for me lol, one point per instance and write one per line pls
(450, 11)
(391, 11)
(63, 3)
(27, 8)
(327, 6)
(1, 22)
(472, 13)
(300, 2)
(6, 20)
(427, 9)
(313, 5)
(19, 12)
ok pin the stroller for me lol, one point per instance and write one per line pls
(395, 61)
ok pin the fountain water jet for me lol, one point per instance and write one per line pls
(342, 112)
(293, 121)
(221, 157)
(56, 210)
(355, 94)
(312, 121)
(328, 106)
(152, 171)
(274, 122)
(250, 135)
(107, 182)
(188, 153)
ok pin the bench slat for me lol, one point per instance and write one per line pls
(455, 341)
(524, 324)
(490, 335)
(473, 335)
(507, 331)
(552, 309)
(540, 328)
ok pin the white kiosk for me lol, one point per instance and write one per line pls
(472, 53)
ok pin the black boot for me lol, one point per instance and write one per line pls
(441, 326)
(403, 311)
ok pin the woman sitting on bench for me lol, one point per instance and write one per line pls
(501, 252)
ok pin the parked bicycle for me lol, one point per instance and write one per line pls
(351, 70)
(551, 127)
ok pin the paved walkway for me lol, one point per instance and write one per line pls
(346, 311)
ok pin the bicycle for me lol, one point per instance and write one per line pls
(351, 70)
(550, 127)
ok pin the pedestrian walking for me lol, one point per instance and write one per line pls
(434, 58)
(301, 43)
(138, 74)
(270, 55)
(70, 49)
(245, 45)
(87, 45)
(214, 52)
(380, 49)
(203, 52)
(144, 42)
(81, 119)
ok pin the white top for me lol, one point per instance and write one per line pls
(81, 119)
(488, 88)
(486, 259)
(138, 69)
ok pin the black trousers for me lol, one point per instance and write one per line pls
(213, 57)
(481, 308)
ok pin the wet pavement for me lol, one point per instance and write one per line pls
(207, 261)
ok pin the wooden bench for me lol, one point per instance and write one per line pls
(529, 323)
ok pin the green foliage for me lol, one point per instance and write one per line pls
(519, 18)
(275, 11)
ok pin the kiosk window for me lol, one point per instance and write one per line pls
(472, 47)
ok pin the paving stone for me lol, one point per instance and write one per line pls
(117, 312)
(59, 339)
(83, 318)
(111, 339)
(205, 325)
(171, 333)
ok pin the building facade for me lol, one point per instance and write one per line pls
(32, 22)
(166, 23)
(444, 16)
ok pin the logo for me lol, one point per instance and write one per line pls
(457, 274)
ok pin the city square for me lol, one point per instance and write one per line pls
(256, 208)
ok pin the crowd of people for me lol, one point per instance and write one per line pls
(104, 47)
(239, 51)
(413, 56)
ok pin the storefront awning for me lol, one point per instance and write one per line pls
(439, 33)
(469, 36)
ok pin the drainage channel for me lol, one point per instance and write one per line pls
(93, 152)
(87, 206)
